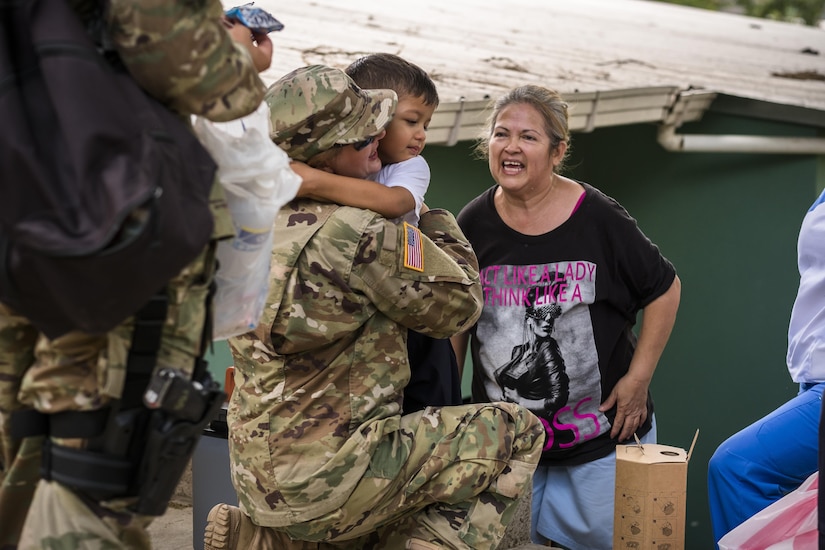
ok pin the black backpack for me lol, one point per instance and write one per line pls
(104, 192)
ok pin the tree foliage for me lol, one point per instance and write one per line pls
(806, 11)
(705, 4)
(809, 12)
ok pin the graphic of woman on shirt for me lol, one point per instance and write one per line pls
(535, 376)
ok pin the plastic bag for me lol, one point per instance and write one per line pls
(257, 181)
(790, 523)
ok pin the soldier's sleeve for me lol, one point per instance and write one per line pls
(425, 278)
(181, 54)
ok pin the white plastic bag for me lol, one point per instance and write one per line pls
(257, 181)
(790, 523)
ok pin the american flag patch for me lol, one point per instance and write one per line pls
(414, 251)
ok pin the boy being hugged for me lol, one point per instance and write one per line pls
(397, 193)
(405, 175)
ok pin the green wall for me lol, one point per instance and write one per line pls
(219, 357)
(729, 223)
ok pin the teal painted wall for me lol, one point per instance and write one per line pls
(729, 223)
(219, 357)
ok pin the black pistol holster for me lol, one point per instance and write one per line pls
(139, 446)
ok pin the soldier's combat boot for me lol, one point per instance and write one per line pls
(228, 528)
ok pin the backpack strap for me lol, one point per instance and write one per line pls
(143, 353)
(201, 365)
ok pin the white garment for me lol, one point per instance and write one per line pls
(257, 181)
(806, 333)
(414, 176)
(258, 120)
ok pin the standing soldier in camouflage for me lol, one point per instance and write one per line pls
(181, 53)
(320, 454)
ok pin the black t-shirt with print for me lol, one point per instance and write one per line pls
(555, 334)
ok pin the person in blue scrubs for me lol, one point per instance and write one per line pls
(773, 456)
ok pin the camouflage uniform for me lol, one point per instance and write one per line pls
(318, 446)
(180, 53)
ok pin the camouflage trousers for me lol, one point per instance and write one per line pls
(458, 488)
(80, 372)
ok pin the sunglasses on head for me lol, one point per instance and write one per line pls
(359, 146)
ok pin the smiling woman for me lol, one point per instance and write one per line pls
(565, 350)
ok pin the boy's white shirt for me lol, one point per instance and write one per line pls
(414, 176)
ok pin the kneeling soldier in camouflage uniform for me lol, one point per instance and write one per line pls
(321, 456)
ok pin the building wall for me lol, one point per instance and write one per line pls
(729, 223)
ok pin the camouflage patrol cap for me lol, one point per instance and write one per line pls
(316, 107)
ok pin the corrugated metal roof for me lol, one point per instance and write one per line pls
(616, 61)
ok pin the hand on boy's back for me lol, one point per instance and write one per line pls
(256, 43)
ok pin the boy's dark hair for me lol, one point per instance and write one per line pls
(388, 71)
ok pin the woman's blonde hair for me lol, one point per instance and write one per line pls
(548, 103)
